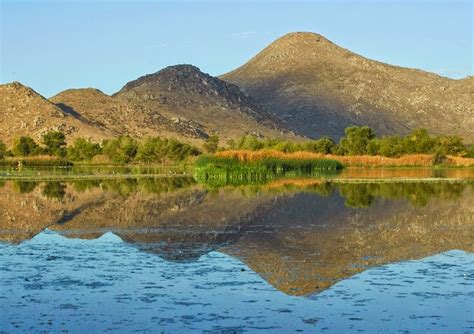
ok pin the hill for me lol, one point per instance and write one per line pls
(319, 88)
(121, 117)
(184, 91)
(24, 112)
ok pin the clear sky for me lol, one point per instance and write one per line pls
(54, 45)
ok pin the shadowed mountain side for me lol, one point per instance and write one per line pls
(23, 112)
(220, 107)
(319, 88)
(124, 118)
(317, 241)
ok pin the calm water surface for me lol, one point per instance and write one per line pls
(172, 256)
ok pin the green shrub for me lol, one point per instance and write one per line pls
(83, 150)
(211, 144)
(25, 146)
(55, 143)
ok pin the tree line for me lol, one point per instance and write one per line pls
(362, 141)
(357, 140)
(121, 150)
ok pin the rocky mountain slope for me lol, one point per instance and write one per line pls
(319, 88)
(121, 117)
(184, 91)
(24, 112)
(177, 102)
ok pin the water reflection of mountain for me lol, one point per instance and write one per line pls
(301, 239)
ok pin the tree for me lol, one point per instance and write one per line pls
(83, 150)
(231, 144)
(391, 146)
(373, 147)
(419, 141)
(323, 145)
(55, 142)
(121, 150)
(470, 152)
(452, 145)
(3, 149)
(25, 146)
(211, 144)
(356, 140)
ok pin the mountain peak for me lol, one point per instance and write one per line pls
(171, 74)
(303, 36)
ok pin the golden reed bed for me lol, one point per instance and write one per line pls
(423, 160)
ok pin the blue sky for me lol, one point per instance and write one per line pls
(54, 45)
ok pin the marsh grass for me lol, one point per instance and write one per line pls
(221, 170)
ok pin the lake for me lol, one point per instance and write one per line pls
(337, 255)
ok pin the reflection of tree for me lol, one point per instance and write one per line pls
(84, 185)
(357, 195)
(129, 186)
(24, 187)
(418, 194)
(54, 190)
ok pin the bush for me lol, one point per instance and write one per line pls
(25, 146)
(356, 140)
(121, 150)
(83, 150)
(3, 150)
(164, 150)
(211, 144)
(55, 143)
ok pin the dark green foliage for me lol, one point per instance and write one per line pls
(323, 145)
(83, 150)
(55, 143)
(418, 141)
(211, 144)
(451, 145)
(3, 149)
(389, 146)
(356, 140)
(164, 150)
(470, 152)
(25, 146)
(121, 150)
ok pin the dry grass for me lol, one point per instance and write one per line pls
(248, 156)
(460, 161)
(295, 182)
(35, 157)
(418, 160)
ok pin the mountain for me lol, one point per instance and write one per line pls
(121, 117)
(184, 91)
(319, 88)
(24, 112)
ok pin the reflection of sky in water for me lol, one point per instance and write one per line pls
(51, 283)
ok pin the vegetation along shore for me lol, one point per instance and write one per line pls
(359, 147)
